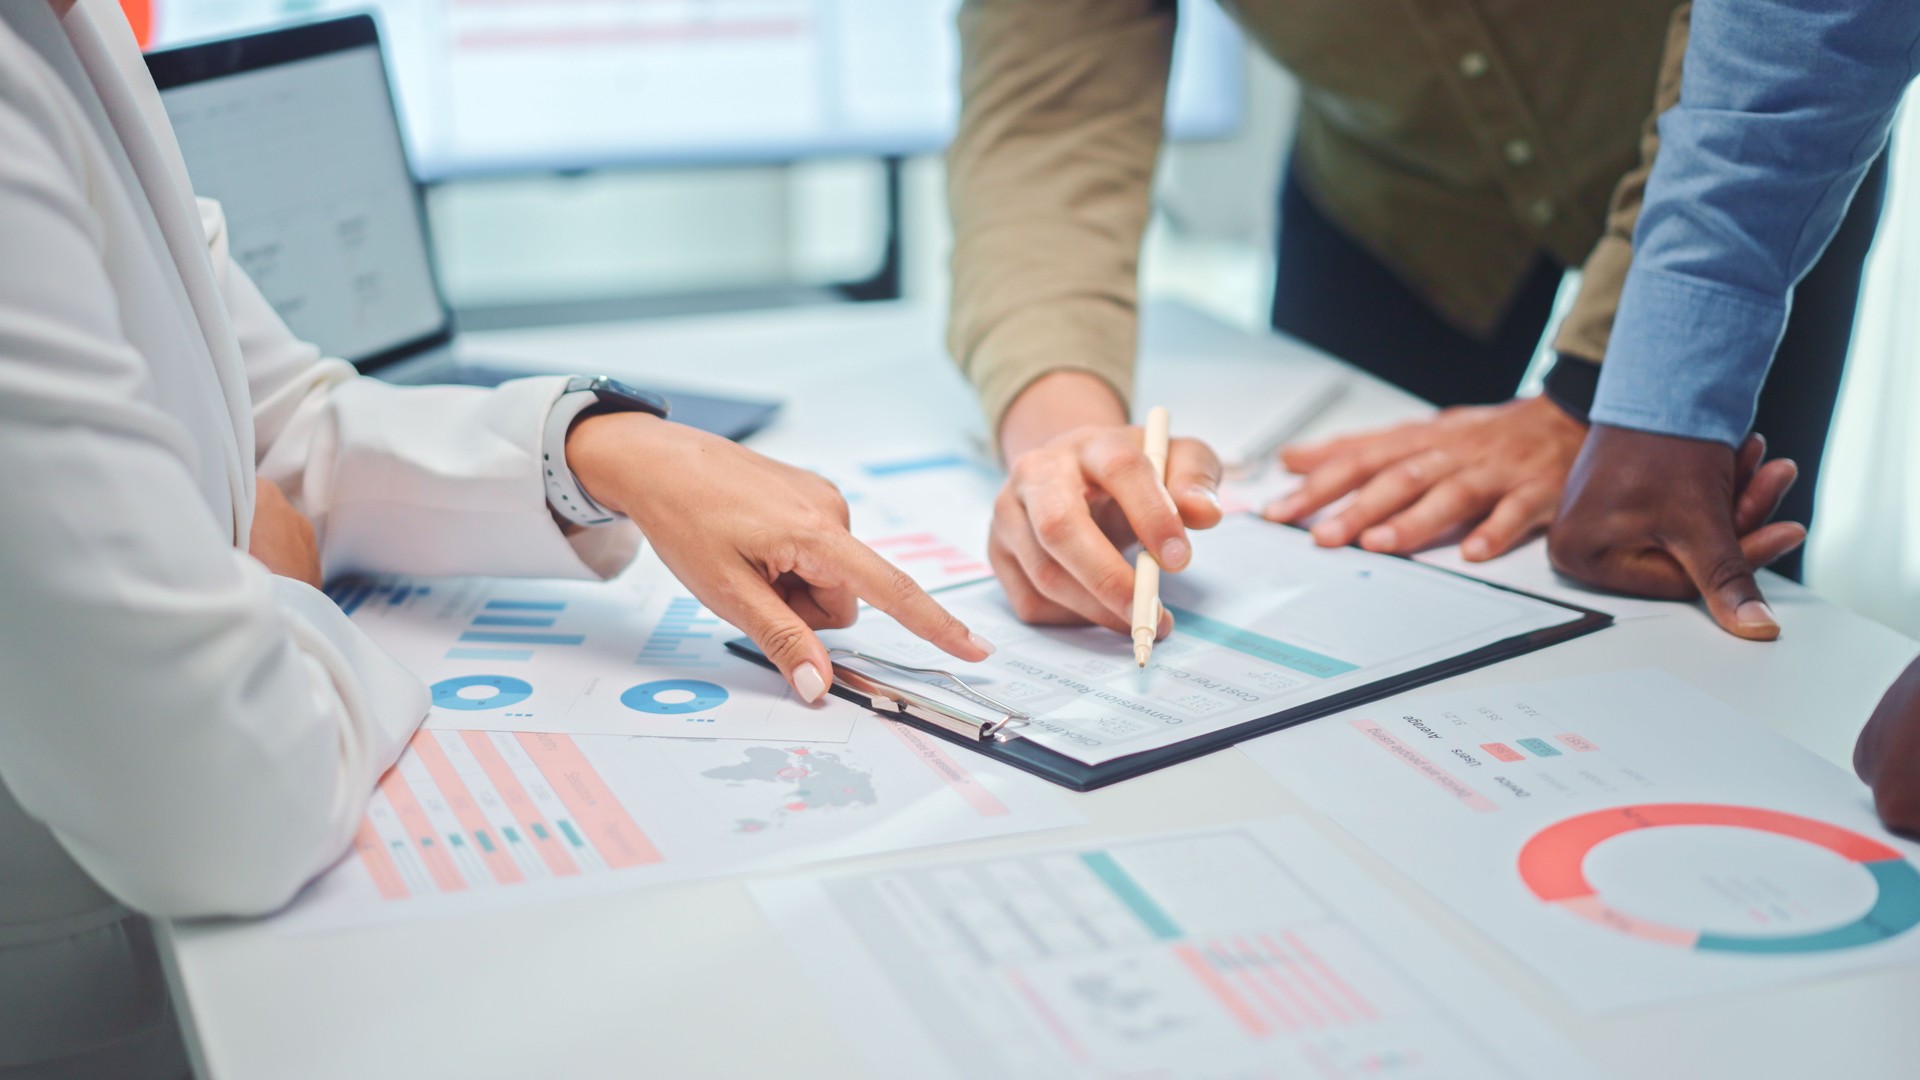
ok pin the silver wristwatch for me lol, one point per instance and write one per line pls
(585, 395)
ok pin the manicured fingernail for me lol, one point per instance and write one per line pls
(1173, 553)
(1284, 509)
(1330, 533)
(1208, 494)
(1755, 613)
(807, 680)
(1380, 537)
(980, 643)
(1474, 548)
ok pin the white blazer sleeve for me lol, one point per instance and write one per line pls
(409, 479)
(200, 735)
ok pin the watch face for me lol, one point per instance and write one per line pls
(616, 393)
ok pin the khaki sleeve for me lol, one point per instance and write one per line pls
(1585, 330)
(1049, 186)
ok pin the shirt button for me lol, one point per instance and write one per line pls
(1473, 65)
(1541, 211)
(1518, 151)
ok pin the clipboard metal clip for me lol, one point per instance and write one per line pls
(997, 729)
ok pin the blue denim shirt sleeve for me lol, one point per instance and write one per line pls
(1783, 106)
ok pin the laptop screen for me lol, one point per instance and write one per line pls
(305, 155)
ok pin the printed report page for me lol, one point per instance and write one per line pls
(1249, 950)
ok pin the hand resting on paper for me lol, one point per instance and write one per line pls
(1675, 518)
(764, 545)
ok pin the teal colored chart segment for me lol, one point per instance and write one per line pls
(1129, 892)
(673, 697)
(507, 690)
(1894, 912)
(1258, 646)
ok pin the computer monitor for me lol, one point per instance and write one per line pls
(294, 133)
(532, 85)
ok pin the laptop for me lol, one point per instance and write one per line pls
(296, 133)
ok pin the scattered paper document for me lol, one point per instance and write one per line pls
(1242, 951)
(473, 817)
(1632, 838)
(632, 657)
(1264, 621)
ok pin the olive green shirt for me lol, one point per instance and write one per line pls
(1455, 139)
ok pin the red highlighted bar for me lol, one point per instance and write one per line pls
(540, 831)
(1221, 990)
(379, 863)
(1502, 751)
(420, 832)
(461, 802)
(606, 823)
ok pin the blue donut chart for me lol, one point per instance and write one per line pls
(645, 698)
(507, 690)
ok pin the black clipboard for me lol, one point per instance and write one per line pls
(900, 702)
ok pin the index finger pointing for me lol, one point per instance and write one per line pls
(892, 590)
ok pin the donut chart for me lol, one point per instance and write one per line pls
(507, 690)
(1552, 863)
(673, 697)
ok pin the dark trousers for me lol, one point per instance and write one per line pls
(1332, 293)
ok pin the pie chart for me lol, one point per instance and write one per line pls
(473, 693)
(673, 697)
(1554, 865)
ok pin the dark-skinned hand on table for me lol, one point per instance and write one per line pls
(1676, 518)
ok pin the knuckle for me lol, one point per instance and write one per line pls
(1726, 570)
(1113, 458)
(1054, 526)
(898, 585)
(1007, 504)
(1112, 583)
(1413, 470)
(1050, 578)
(785, 642)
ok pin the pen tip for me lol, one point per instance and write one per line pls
(1141, 653)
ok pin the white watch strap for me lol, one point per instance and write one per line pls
(564, 492)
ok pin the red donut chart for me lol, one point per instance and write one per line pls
(1553, 865)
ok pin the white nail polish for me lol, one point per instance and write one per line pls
(807, 680)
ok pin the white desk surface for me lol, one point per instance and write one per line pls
(690, 980)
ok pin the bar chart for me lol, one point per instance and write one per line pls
(476, 810)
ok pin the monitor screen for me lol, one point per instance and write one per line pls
(306, 160)
(517, 85)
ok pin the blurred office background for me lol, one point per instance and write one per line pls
(621, 158)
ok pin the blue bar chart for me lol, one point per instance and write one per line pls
(683, 637)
